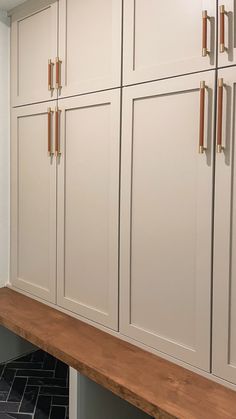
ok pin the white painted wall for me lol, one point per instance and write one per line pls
(4, 147)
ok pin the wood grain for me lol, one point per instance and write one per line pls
(158, 387)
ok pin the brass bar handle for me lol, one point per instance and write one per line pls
(57, 141)
(58, 73)
(222, 29)
(50, 153)
(50, 82)
(220, 148)
(202, 149)
(205, 52)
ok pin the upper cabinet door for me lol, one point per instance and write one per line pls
(166, 216)
(226, 33)
(89, 45)
(88, 206)
(167, 38)
(33, 202)
(33, 45)
(224, 275)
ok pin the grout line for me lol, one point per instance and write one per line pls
(23, 394)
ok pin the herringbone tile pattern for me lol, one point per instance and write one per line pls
(35, 386)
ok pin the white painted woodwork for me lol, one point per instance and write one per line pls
(33, 43)
(33, 204)
(224, 274)
(228, 57)
(163, 39)
(88, 203)
(90, 45)
(166, 217)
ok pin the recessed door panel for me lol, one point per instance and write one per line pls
(33, 256)
(226, 33)
(90, 45)
(33, 44)
(224, 274)
(166, 210)
(166, 38)
(88, 207)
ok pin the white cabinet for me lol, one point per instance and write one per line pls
(165, 38)
(33, 44)
(33, 202)
(88, 204)
(89, 45)
(166, 216)
(224, 274)
(226, 33)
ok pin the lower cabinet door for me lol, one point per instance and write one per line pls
(166, 216)
(224, 273)
(33, 202)
(88, 204)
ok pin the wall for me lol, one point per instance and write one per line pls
(4, 147)
(88, 400)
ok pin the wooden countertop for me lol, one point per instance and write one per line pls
(158, 387)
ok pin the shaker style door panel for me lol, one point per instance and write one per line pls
(166, 213)
(88, 203)
(167, 38)
(226, 33)
(224, 274)
(33, 44)
(90, 45)
(33, 200)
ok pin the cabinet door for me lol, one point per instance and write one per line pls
(166, 217)
(90, 45)
(33, 203)
(227, 33)
(165, 38)
(88, 201)
(224, 274)
(33, 44)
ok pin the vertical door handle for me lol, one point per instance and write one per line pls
(222, 28)
(202, 117)
(58, 73)
(205, 52)
(57, 141)
(220, 116)
(50, 71)
(50, 153)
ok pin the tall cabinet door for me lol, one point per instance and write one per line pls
(88, 202)
(33, 45)
(166, 216)
(33, 202)
(224, 278)
(167, 38)
(89, 45)
(226, 33)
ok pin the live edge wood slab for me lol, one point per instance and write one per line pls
(156, 386)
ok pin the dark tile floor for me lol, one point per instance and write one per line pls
(35, 386)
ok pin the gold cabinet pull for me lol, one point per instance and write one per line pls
(222, 28)
(202, 149)
(50, 71)
(58, 73)
(220, 148)
(50, 153)
(57, 141)
(204, 33)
